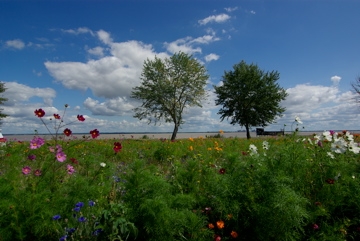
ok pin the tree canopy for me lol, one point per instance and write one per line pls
(250, 96)
(2, 100)
(168, 87)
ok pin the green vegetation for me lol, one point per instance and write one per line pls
(279, 188)
(168, 87)
(250, 96)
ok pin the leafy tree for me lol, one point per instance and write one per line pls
(168, 87)
(249, 96)
(2, 100)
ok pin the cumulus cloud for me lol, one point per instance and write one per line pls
(211, 57)
(111, 107)
(16, 44)
(335, 79)
(97, 51)
(17, 93)
(214, 18)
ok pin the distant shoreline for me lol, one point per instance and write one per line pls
(149, 135)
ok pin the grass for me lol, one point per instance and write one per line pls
(213, 188)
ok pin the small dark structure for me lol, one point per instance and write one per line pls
(262, 132)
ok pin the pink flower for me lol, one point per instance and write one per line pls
(70, 169)
(37, 172)
(26, 170)
(36, 143)
(60, 156)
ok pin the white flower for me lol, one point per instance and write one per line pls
(354, 147)
(266, 145)
(339, 145)
(298, 120)
(253, 149)
(331, 155)
(349, 137)
(103, 164)
(327, 135)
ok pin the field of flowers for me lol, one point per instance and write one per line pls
(278, 188)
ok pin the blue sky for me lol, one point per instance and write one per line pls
(89, 55)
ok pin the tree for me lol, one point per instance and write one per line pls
(168, 87)
(249, 96)
(2, 100)
(356, 87)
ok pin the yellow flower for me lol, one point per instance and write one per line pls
(191, 148)
(191, 139)
(221, 131)
(209, 149)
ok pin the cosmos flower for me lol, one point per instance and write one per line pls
(39, 112)
(26, 170)
(94, 133)
(80, 118)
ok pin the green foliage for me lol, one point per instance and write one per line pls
(249, 96)
(168, 87)
(288, 188)
(2, 100)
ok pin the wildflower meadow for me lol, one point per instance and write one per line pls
(208, 188)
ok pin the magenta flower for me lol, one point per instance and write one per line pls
(37, 172)
(70, 169)
(26, 170)
(60, 156)
(31, 157)
(36, 143)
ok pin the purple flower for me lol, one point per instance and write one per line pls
(76, 209)
(31, 157)
(320, 144)
(37, 172)
(63, 238)
(56, 217)
(79, 204)
(60, 156)
(36, 143)
(97, 231)
(82, 219)
(70, 230)
(26, 170)
(91, 203)
(70, 169)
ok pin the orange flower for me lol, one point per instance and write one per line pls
(234, 234)
(220, 224)
(211, 226)
(191, 148)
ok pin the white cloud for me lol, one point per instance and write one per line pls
(111, 107)
(104, 37)
(211, 57)
(186, 44)
(17, 93)
(97, 51)
(335, 79)
(78, 31)
(252, 12)
(215, 18)
(16, 44)
(231, 9)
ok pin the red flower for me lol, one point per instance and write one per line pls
(217, 237)
(73, 160)
(222, 171)
(234, 234)
(57, 116)
(117, 147)
(315, 226)
(80, 117)
(94, 133)
(211, 226)
(39, 113)
(67, 132)
(330, 181)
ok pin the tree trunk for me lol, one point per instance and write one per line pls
(176, 128)
(247, 132)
